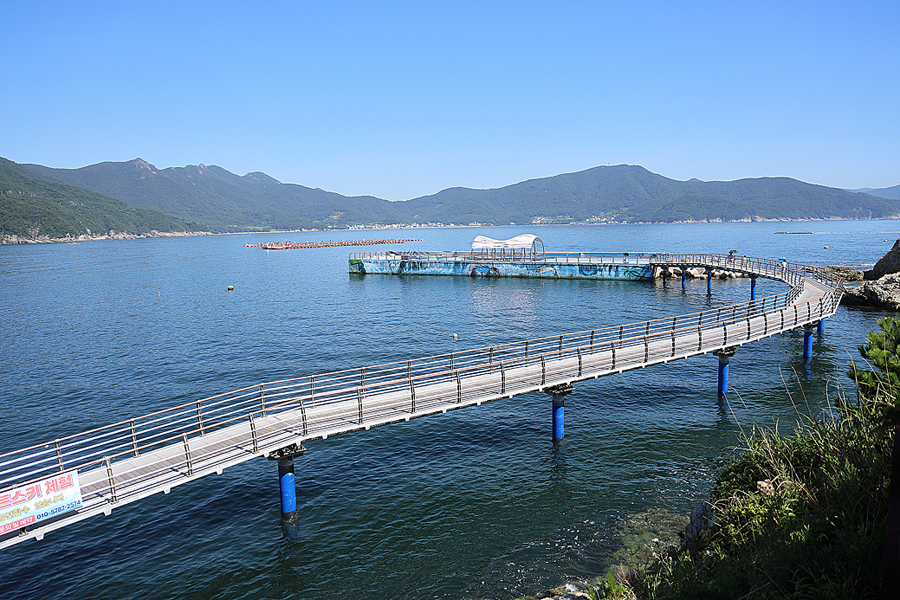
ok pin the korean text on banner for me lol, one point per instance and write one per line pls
(34, 502)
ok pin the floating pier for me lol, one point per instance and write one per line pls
(521, 256)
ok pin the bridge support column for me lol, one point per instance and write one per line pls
(724, 355)
(808, 342)
(753, 288)
(559, 392)
(286, 482)
(683, 276)
(708, 280)
(820, 329)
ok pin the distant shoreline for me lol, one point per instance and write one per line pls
(9, 240)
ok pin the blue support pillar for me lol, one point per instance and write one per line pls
(683, 276)
(821, 327)
(708, 280)
(724, 358)
(753, 288)
(808, 342)
(559, 418)
(287, 485)
(558, 393)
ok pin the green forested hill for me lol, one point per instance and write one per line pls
(224, 201)
(32, 207)
(633, 194)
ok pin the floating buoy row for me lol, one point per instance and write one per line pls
(329, 244)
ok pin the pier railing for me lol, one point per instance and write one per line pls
(574, 258)
(267, 414)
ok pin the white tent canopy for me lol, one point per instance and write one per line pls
(525, 244)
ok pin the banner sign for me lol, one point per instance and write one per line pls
(31, 503)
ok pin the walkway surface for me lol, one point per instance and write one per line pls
(125, 462)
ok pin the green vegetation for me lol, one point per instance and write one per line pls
(799, 515)
(32, 206)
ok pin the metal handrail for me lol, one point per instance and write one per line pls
(180, 424)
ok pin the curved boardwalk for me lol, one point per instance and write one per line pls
(127, 461)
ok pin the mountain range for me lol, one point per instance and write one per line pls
(212, 198)
(34, 208)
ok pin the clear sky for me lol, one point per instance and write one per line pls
(403, 99)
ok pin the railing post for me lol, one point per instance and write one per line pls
(303, 417)
(253, 434)
(262, 399)
(458, 389)
(579, 362)
(59, 455)
(612, 346)
(199, 417)
(502, 378)
(543, 371)
(112, 481)
(187, 454)
(134, 442)
(359, 402)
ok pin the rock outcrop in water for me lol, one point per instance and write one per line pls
(886, 265)
(882, 286)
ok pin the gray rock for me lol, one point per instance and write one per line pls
(701, 519)
(883, 293)
(887, 264)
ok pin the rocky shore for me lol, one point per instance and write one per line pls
(881, 284)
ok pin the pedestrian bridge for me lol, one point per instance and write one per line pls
(63, 481)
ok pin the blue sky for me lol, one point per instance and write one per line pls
(403, 99)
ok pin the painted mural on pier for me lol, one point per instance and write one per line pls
(521, 256)
(477, 268)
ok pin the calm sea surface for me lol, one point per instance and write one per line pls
(476, 503)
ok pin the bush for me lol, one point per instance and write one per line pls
(802, 515)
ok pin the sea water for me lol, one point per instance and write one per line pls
(476, 503)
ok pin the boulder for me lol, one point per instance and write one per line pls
(886, 265)
(883, 293)
(702, 518)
